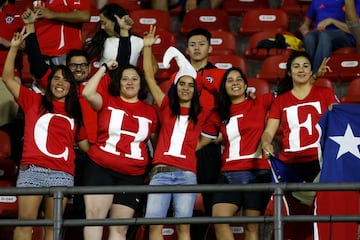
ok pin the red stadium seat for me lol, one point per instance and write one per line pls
(8, 204)
(210, 19)
(294, 7)
(273, 68)
(353, 94)
(258, 20)
(261, 86)
(228, 61)
(166, 39)
(223, 43)
(345, 67)
(324, 82)
(239, 7)
(252, 52)
(8, 168)
(143, 18)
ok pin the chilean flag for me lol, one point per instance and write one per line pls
(340, 160)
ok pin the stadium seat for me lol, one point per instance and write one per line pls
(239, 7)
(166, 39)
(273, 68)
(324, 82)
(257, 20)
(345, 67)
(143, 18)
(228, 61)
(210, 19)
(8, 204)
(223, 43)
(8, 168)
(89, 29)
(294, 7)
(261, 86)
(353, 94)
(252, 52)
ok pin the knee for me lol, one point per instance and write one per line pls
(183, 230)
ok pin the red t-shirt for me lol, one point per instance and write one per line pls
(49, 138)
(55, 37)
(10, 22)
(298, 119)
(242, 134)
(123, 131)
(178, 138)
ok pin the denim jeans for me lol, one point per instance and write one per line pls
(183, 203)
(320, 44)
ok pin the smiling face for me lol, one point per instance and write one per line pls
(130, 85)
(79, 67)
(185, 90)
(300, 70)
(59, 86)
(235, 86)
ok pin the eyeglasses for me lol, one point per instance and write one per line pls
(81, 65)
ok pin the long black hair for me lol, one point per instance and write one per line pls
(223, 108)
(286, 84)
(95, 46)
(114, 85)
(195, 107)
(72, 103)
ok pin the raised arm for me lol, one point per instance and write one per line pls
(149, 73)
(38, 66)
(89, 92)
(8, 73)
(76, 16)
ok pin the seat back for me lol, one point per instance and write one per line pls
(352, 94)
(143, 18)
(223, 43)
(273, 68)
(257, 20)
(261, 86)
(228, 61)
(345, 67)
(210, 19)
(261, 53)
(239, 7)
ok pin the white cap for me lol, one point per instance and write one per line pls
(185, 68)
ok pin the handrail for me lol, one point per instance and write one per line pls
(277, 188)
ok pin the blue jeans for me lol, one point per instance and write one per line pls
(183, 203)
(320, 44)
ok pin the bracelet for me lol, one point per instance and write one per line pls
(106, 67)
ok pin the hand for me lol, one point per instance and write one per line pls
(323, 24)
(125, 22)
(29, 16)
(43, 12)
(190, 5)
(150, 37)
(268, 149)
(18, 38)
(304, 29)
(112, 64)
(323, 68)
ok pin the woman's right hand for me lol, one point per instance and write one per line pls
(150, 37)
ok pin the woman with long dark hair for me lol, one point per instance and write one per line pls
(240, 120)
(53, 126)
(174, 161)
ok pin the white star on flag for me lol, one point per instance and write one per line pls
(348, 143)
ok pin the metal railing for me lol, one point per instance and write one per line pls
(278, 219)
